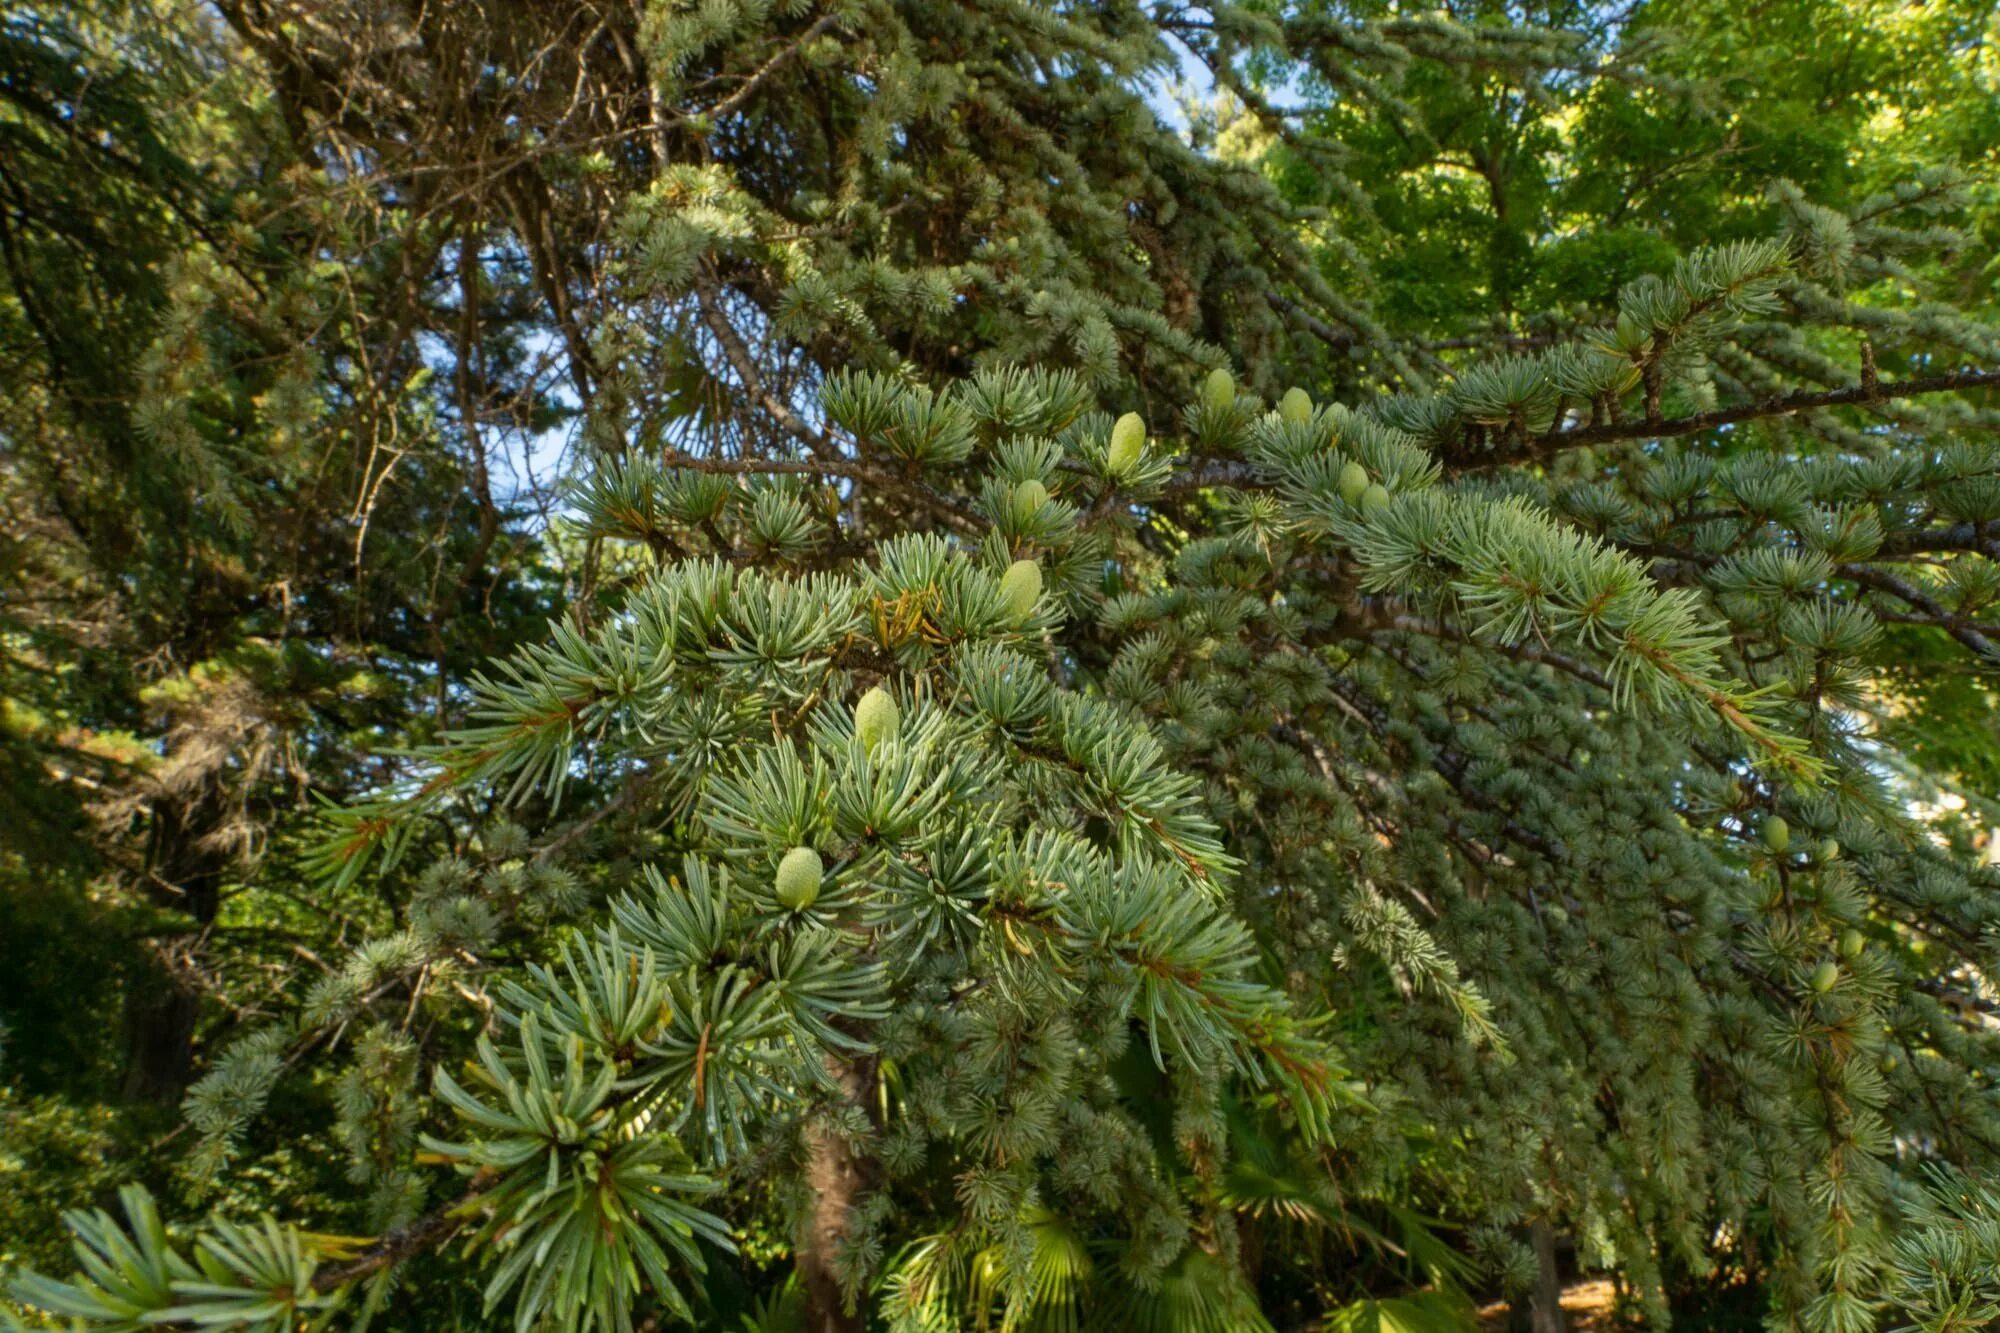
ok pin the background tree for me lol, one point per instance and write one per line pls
(244, 512)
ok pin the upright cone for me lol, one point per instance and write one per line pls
(1021, 585)
(1128, 444)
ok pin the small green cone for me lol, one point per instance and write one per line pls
(1353, 482)
(1374, 499)
(1128, 444)
(799, 874)
(1021, 585)
(1028, 498)
(1218, 391)
(1829, 850)
(1824, 976)
(1296, 406)
(1851, 943)
(1631, 336)
(1777, 834)
(876, 718)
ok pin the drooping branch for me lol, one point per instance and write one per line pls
(1337, 339)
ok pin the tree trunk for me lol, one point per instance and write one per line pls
(1545, 1304)
(163, 1005)
(837, 1177)
(160, 1016)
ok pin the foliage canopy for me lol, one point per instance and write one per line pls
(1282, 711)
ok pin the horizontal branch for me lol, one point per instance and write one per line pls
(766, 467)
(1981, 537)
(1204, 473)
(1934, 622)
(1517, 450)
(1911, 595)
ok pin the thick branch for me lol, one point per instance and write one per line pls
(1981, 537)
(1911, 595)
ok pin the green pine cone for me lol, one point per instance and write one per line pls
(1296, 406)
(1824, 976)
(1021, 585)
(1374, 499)
(1353, 482)
(1128, 444)
(1029, 497)
(1218, 391)
(877, 718)
(1829, 850)
(799, 874)
(1777, 834)
(1631, 336)
(1851, 943)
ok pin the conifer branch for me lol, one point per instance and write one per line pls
(1077, 768)
(1981, 537)
(1470, 454)
(1675, 566)
(756, 80)
(817, 442)
(405, 1242)
(1882, 581)
(1406, 623)
(1512, 449)
(1338, 340)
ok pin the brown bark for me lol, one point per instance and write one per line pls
(838, 1176)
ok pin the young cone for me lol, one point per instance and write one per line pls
(1021, 585)
(1353, 482)
(1128, 444)
(877, 718)
(1029, 497)
(798, 878)
(1218, 391)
